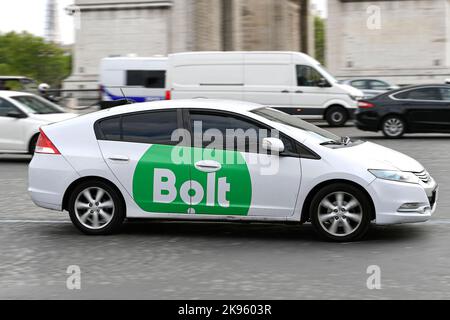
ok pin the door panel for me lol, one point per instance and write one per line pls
(149, 175)
(244, 183)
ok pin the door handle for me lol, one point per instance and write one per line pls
(285, 91)
(119, 158)
(299, 91)
(208, 166)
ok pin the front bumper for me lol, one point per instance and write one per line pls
(390, 196)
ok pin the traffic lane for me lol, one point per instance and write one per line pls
(222, 261)
(431, 150)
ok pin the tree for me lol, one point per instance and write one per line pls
(27, 55)
(319, 29)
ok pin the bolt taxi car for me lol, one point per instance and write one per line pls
(222, 161)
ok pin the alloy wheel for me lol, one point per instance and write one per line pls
(340, 214)
(94, 208)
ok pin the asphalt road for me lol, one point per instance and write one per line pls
(156, 260)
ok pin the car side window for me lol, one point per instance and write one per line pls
(146, 78)
(6, 107)
(378, 85)
(307, 76)
(445, 93)
(359, 84)
(429, 94)
(237, 133)
(155, 127)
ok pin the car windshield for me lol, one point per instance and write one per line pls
(326, 74)
(324, 137)
(37, 105)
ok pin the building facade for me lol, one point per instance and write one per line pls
(401, 41)
(159, 27)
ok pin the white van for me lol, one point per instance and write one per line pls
(290, 81)
(138, 79)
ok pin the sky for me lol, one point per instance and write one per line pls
(29, 15)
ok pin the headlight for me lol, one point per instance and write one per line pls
(395, 175)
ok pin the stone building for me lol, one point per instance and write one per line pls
(158, 27)
(401, 41)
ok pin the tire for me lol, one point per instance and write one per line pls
(89, 215)
(342, 225)
(32, 145)
(336, 116)
(393, 127)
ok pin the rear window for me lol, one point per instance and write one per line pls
(147, 78)
(149, 127)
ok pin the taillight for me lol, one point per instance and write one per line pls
(365, 105)
(44, 145)
(168, 95)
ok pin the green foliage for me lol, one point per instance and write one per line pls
(23, 54)
(319, 27)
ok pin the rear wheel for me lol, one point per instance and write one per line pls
(393, 127)
(336, 116)
(96, 208)
(341, 212)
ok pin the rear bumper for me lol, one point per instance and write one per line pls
(49, 176)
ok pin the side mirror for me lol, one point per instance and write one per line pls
(323, 83)
(273, 145)
(16, 115)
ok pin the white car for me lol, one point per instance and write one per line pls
(21, 115)
(167, 160)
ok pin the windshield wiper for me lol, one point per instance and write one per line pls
(331, 142)
(345, 140)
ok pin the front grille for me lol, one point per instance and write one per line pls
(424, 176)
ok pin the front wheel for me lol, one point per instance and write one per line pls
(341, 212)
(336, 116)
(96, 208)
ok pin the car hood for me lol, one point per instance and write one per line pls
(374, 156)
(53, 117)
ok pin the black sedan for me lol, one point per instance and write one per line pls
(414, 109)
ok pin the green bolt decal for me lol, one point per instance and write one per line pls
(162, 185)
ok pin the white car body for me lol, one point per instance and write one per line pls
(17, 133)
(139, 79)
(278, 197)
(268, 78)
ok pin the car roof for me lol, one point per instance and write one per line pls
(222, 105)
(10, 93)
(13, 78)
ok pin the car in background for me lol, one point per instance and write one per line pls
(133, 162)
(21, 116)
(414, 109)
(292, 82)
(370, 87)
(18, 83)
(138, 79)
